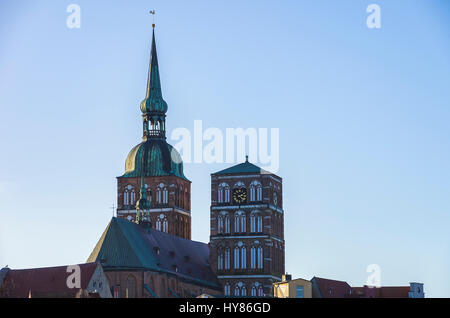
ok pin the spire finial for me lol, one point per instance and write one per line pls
(246, 158)
(152, 12)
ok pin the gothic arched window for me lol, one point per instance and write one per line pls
(227, 259)
(227, 223)
(243, 257)
(223, 193)
(253, 258)
(220, 260)
(165, 196)
(239, 222)
(253, 292)
(126, 197)
(227, 289)
(133, 197)
(243, 291)
(165, 226)
(158, 224)
(260, 258)
(236, 257)
(260, 291)
(260, 223)
(220, 224)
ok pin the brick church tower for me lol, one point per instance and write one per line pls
(168, 191)
(247, 250)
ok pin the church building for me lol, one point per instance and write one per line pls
(167, 189)
(146, 251)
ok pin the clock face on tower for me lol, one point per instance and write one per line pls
(239, 195)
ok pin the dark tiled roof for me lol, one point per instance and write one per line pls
(127, 245)
(331, 288)
(44, 281)
(245, 167)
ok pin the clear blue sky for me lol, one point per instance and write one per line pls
(363, 115)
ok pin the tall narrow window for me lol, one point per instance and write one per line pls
(243, 257)
(259, 193)
(252, 223)
(165, 226)
(227, 289)
(158, 224)
(227, 194)
(227, 259)
(236, 223)
(227, 224)
(260, 291)
(133, 197)
(126, 197)
(253, 258)
(220, 224)
(243, 224)
(236, 291)
(165, 196)
(243, 291)
(223, 193)
(255, 191)
(220, 260)
(158, 196)
(252, 193)
(260, 258)
(236, 257)
(260, 224)
(253, 293)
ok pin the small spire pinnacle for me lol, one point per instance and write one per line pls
(246, 158)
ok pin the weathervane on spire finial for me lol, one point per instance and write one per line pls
(152, 12)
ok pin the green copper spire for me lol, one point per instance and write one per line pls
(142, 205)
(154, 107)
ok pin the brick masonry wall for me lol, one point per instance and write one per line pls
(271, 238)
(179, 197)
(159, 283)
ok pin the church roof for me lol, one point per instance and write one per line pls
(156, 158)
(127, 245)
(245, 167)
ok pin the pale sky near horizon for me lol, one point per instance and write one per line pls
(363, 116)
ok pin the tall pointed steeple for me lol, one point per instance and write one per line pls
(154, 107)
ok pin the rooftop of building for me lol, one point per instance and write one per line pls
(44, 281)
(127, 245)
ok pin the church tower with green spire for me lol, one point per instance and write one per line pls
(154, 169)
